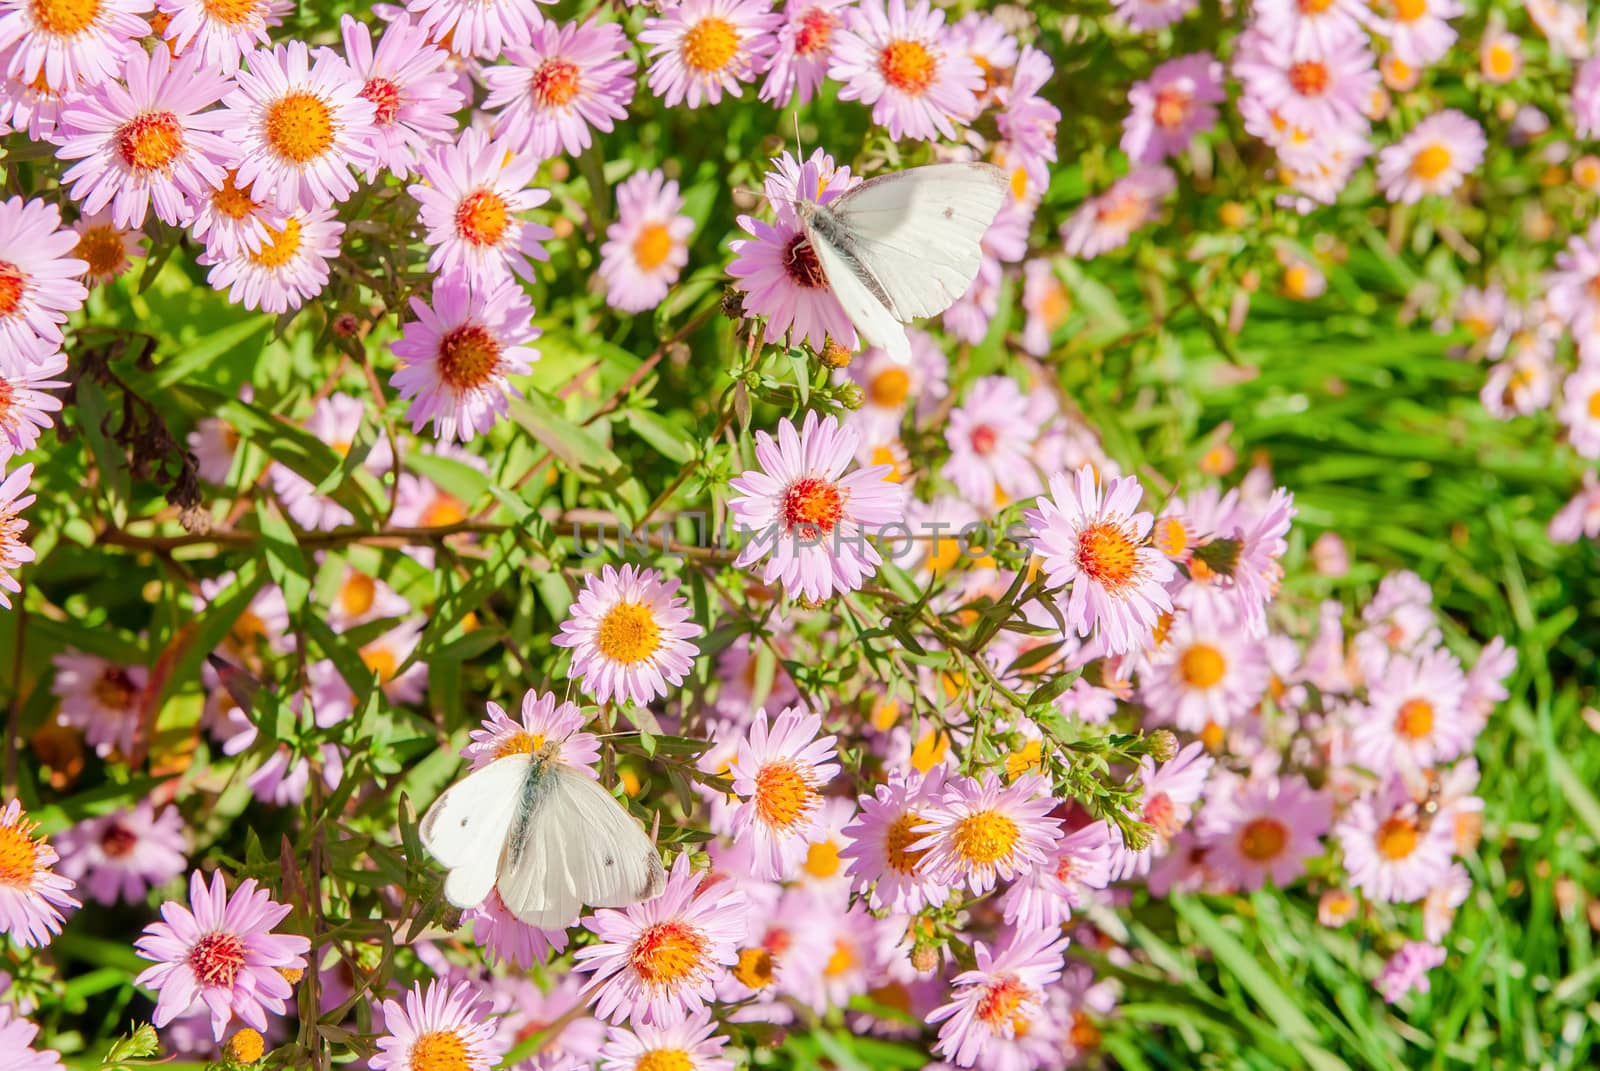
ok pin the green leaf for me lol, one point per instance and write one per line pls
(582, 453)
(669, 440)
(94, 419)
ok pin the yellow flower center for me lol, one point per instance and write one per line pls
(65, 18)
(150, 141)
(1309, 78)
(783, 797)
(443, 511)
(1594, 405)
(1415, 719)
(1410, 10)
(1171, 537)
(19, 855)
(1172, 106)
(652, 247)
(1202, 666)
(822, 859)
(664, 1060)
(280, 246)
(666, 953)
(1263, 839)
(908, 66)
(986, 837)
(754, 969)
(245, 1047)
(629, 633)
(12, 285)
(555, 82)
(483, 217)
(1000, 1007)
(231, 12)
(1500, 61)
(231, 201)
(710, 44)
(813, 505)
(896, 843)
(1431, 162)
(468, 357)
(101, 248)
(1108, 555)
(439, 1050)
(299, 127)
(523, 743)
(1396, 838)
(357, 593)
(889, 388)
(842, 960)
(381, 661)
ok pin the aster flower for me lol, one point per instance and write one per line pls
(998, 1000)
(983, 831)
(25, 407)
(33, 898)
(568, 78)
(1500, 58)
(30, 107)
(690, 1045)
(1579, 518)
(472, 195)
(16, 1044)
(287, 269)
(890, 388)
(1312, 28)
(897, 59)
(1407, 970)
(1027, 125)
(121, 856)
(804, 48)
(14, 553)
(1419, 30)
(38, 274)
(1580, 409)
(810, 520)
(442, 1026)
(1263, 828)
(1571, 289)
(1178, 101)
(1106, 222)
(777, 774)
(1169, 793)
(219, 34)
(458, 354)
(630, 635)
(782, 280)
(1416, 716)
(1045, 897)
(1046, 302)
(1091, 539)
(1317, 91)
(1432, 158)
(1150, 15)
(301, 123)
(106, 248)
(232, 221)
(1203, 676)
(990, 438)
(1390, 851)
(701, 49)
(655, 963)
(648, 245)
(481, 29)
(509, 940)
(413, 93)
(221, 950)
(101, 698)
(64, 44)
(543, 719)
(991, 45)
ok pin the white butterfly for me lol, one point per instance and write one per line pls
(551, 839)
(904, 245)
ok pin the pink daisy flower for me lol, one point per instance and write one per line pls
(16, 1044)
(288, 268)
(1407, 970)
(543, 719)
(1046, 302)
(1318, 91)
(656, 963)
(1000, 999)
(981, 832)
(809, 519)
(472, 194)
(38, 275)
(101, 698)
(414, 95)
(33, 898)
(882, 864)
(121, 856)
(221, 951)
(1579, 518)
(1415, 716)
(509, 940)
(1312, 28)
(805, 42)
(776, 775)
(648, 245)
(568, 78)
(1253, 580)
(1580, 409)
(1263, 828)
(1390, 851)
(1202, 676)
(220, 32)
(1432, 158)
(898, 60)
(301, 123)
(1045, 897)
(1177, 102)
(991, 45)
(782, 280)
(690, 1045)
(477, 28)
(1570, 289)
(990, 439)
(1419, 30)
(458, 354)
(630, 635)
(1027, 124)
(891, 389)
(701, 49)
(442, 1026)
(1170, 792)
(14, 553)
(1106, 222)
(1091, 539)
(25, 407)
(231, 220)
(30, 107)
(64, 44)
(148, 141)
(107, 248)
(1152, 14)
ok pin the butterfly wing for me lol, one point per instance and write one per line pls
(868, 310)
(917, 232)
(466, 828)
(578, 847)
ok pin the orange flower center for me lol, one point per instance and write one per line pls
(1171, 537)
(1001, 1006)
(523, 743)
(443, 511)
(652, 246)
(439, 1050)
(890, 388)
(842, 960)
(19, 855)
(1414, 719)
(231, 201)
(231, 12)
(216, 958)
(1172, 107)
(783, 797)
(1315, 7)
(1594, 405)
(381, 661)
(664, 1060)
(1263, 839)
(710, 44)
(667, 953)
(280, 247)
(1396, 838)
(357, 594)
(555, 82)
(245, 1047)
(468, 356)
(12, 285)
(986, 837)
(1410, 10)
(1309, 78)
(754, 968)
(816, 30)
(629, 633)
(1431, 162)
(385, 98)
(802, 265)
(1108, 554)
(483, 217)
(908, 66)
(65, 18)
(822, 859)
(299, 127)
(150, 141)
(896, 843)
(1202, 666)
(813, 505)
(101, 248)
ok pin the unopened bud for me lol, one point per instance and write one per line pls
(1162, 745)
(850, 395)
(195, 520)
(1137, 836)
(142, 1044)
(834, 355)
(924, 958)
(345, 325)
